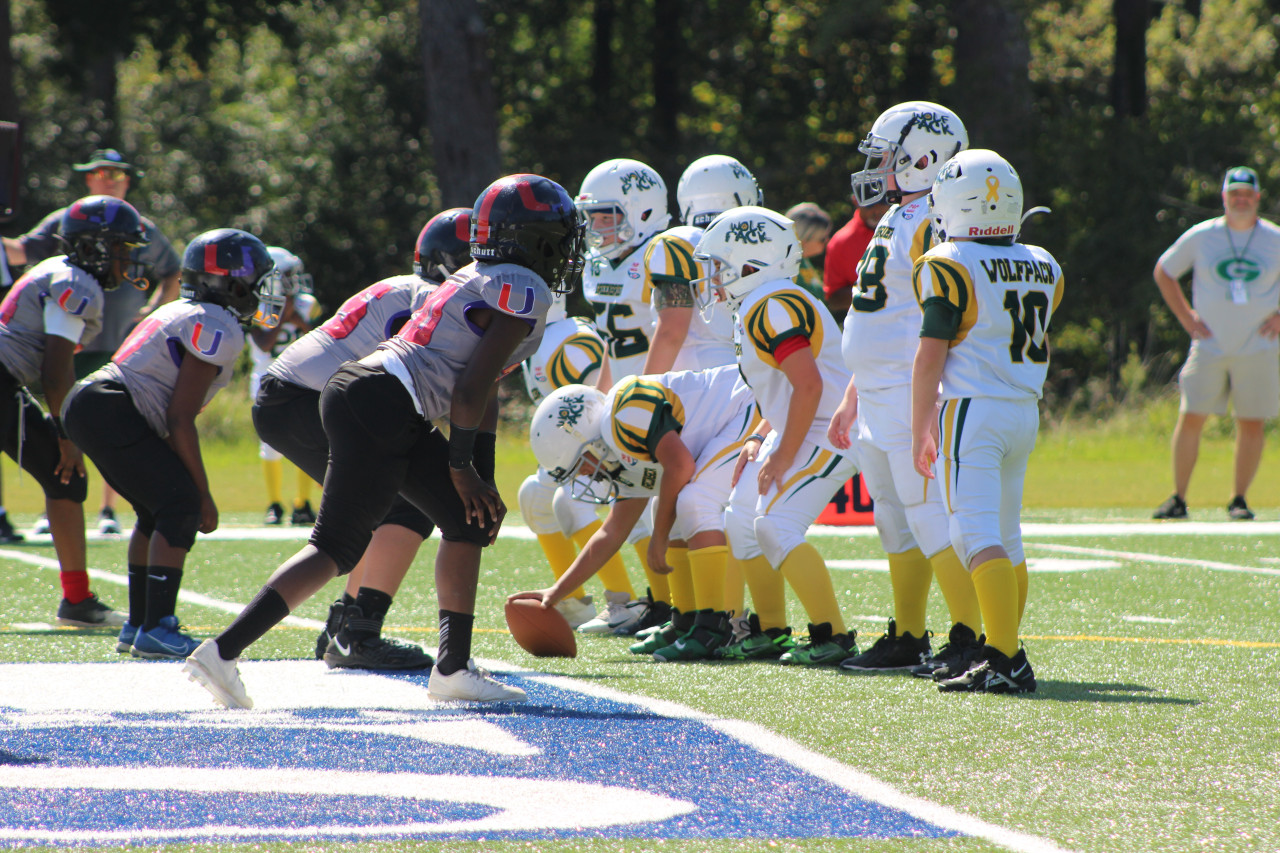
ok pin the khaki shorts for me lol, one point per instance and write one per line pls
(1251, 382)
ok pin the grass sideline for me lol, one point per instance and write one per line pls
(1152, 729)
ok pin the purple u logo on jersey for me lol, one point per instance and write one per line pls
(196, 334)
(504, 300)
(64, 302)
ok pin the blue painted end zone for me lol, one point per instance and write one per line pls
(723, 788)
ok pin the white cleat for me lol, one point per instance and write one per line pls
(220, 677)
(473, 684)
(577, 611)
(621, 617)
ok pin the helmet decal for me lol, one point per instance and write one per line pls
(749, 232)
(640, 178)
(462, 226)
(211, 261)
(526, 195)
(109, 206)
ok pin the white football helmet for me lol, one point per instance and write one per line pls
(713, 184)
(742, 249)
(635, 194)
(977, 194)
(567, 440)
(291, 271)
(910, 141)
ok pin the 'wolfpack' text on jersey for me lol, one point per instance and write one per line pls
(1004, 297)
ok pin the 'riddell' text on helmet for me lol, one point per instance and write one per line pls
(531, 221)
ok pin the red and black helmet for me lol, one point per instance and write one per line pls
(531, 221)
(227, 267)
(444, 245)
(98, 229)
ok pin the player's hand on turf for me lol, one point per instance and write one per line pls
(70, 462)
(749, 452)
(924, 450)
(208, 514)
(541, 595)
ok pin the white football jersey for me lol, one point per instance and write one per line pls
(619, 295)
(1005, 296)
(699, 405)
(883, 323)
(669, 258)
(571, 353)
(767, 318)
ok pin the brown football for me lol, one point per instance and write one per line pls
(540, 632)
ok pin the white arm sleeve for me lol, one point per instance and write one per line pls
(60, 323)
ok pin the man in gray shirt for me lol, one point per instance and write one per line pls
(1233, 319)
(107, 173)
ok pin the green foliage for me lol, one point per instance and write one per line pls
(304, 122)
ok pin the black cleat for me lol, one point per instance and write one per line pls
(1238, 510)
(331, 626)
(9, 536)
(956, 655)
(893, 652)
(303, 516)
(375, 653)
(994, 672)
(1175, 507)
(275, 514)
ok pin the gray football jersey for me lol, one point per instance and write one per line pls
(22, 329)
(364, 321)
(148, 360)
(438, 341)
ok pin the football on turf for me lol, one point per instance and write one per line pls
(540, 632)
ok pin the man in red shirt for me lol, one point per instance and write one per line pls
(844, 250)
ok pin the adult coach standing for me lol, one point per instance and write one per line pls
(107, 173)
(1233, 319)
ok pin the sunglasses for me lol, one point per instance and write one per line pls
(110, 174)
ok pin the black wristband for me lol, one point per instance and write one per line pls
(461, 445)
(57, 424)
(483, 455)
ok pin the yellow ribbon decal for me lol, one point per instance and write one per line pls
(993, 189)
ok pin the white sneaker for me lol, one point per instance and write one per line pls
(473, 684)
(107, 524)
(220, 677)
(41, 527)
(623, 614)
(577, 611)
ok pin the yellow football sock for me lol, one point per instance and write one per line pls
(659, 589)
(560, 553)
(735, 593)
(807, 573)
(957, 588)
(304, 489)
(273, 474)
(707, 567)
(1024, 583)
(683, 597)
(613, 574)
(997, 587)
(768, 591)
(910, 574)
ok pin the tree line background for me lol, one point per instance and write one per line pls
(337, 128)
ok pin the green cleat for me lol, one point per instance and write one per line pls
(666, 635)
(759, 644)
(710, 631)
(823, 647)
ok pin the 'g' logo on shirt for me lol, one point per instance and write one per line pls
(1237, 269)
